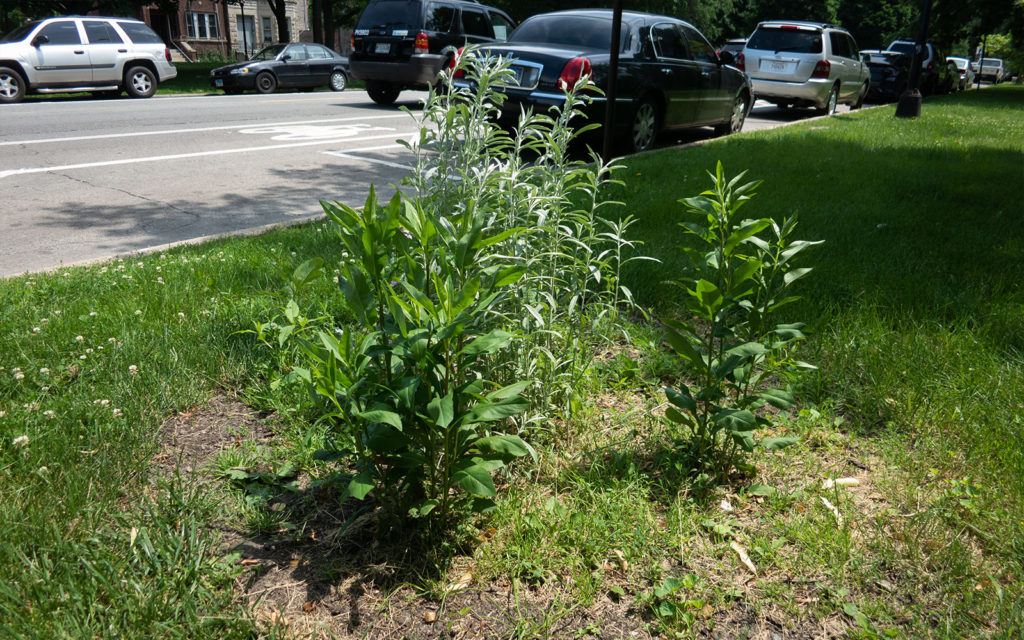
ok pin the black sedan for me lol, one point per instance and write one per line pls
(300, 66)
(669, 74)
(890, 74)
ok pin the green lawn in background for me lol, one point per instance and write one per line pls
(916, 317)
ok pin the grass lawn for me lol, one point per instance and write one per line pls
(154, 484)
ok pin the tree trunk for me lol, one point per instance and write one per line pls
(277, 7)
(316, 13)
(329, 26)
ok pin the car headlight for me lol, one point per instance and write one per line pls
(240, 71)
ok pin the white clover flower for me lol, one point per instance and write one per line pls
(99, 347)
(103, 270)
(90, 350)
(294, 254)
(158, 267)
(133, 369)
(138, 312)
(41, 389)
(65, 274)
(117, 413)
(56, 312)
(81, 357)
(44, 321)
(30, 406)
(36, 329)
(49, 413)
(79, 338)
(181, 314)
(19, 375)
(43, 371)
(43, 469)
(20, 441)
(3, 414)
(139, 264)
(93, 314)
(111, 340)
(159, 280)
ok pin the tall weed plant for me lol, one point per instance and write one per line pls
(474, 300)
(734, 356)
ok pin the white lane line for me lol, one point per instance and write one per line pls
(351, 156)
(198, 154)
(199, 129)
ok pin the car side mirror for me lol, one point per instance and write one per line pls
(726, 57)
(39, 40)
(285, 58)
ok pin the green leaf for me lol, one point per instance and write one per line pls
(506, 447)
(488, 343)
(762, 490)
(383, 438)
(681, 399)
(474, 478)
(306, 271)
(238, 473)
(482, 505)
(778, 398)
(360, 485)
(745, 439)
(387, 417)
(774, 444)
(442, 410)
(794, 275)
(488, 411)
(509, 276)
(683, 347)
(674, 415)
(709, 295)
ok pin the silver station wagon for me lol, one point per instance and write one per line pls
(83, 53)
(805, 64)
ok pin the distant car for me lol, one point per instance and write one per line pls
(992, 69)
(297, 65)
(669, 74)
(810, 64)
(76, 53)
(733, 46)
(890, 74)
(404, 44)
(936, 76)
(964, 70)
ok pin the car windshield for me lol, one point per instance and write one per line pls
(390, 14)
(903, 47)
(884, 57)
(959, 62)
(269, 53)
(991, 63)
(20, 33)
(568, 30)
(783, 39)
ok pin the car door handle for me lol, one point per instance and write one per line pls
(666, 71)
(78, 53)
(122, 51)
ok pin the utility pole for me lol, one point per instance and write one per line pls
(613, 77)
(909, 105)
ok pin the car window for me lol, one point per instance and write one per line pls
(502, 26)
(316, 52)
(19, 34)
(777, 39)
(840, 46)
(440, 17)
(297, 52)
(668, 42)
(98, 31)
(140, 33)
(575, 31)
(62, 33)
(390, 14)
(700, 49)
(854, 49)
(903, 47)
(474, 23)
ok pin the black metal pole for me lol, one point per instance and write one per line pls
(981, 61)
(613, 77)
(245, 38)
(909, 105)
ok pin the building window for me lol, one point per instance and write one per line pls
(202, 26)
(268, 35)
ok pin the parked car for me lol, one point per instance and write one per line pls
(69, 54)
(936, 75)
(404, 44)
(890, 74)
(733, 46)
(992, 69)
(807, 64)
(296, 65)
(669, 74)
(964, 71)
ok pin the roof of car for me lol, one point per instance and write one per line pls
(797, 23)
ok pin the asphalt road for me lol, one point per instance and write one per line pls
(84, 179)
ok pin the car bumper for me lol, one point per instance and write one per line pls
(229, 81)
(542, 101)
(814, 90)
(419, 70)
(166, 71)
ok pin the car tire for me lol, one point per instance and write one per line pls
(740, 109)
(266, 82)
(382, 93)
(646, 124)
(12, 86)
(831, 102)
(860, 97)
(139, 82)
(338, 81)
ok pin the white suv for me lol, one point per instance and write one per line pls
(805, 64)
(83, 53)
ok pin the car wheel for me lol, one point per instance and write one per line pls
(382, 93)
(740, 108)
(860, 97)
(338, 81)
(140, 82)
(266, 82)
(12, 87)
(830, 102)
(646, 123)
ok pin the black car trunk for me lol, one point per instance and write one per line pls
(387, 30)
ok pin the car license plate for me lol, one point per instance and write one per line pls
(219, 82)
(777, 67)
(382, 47)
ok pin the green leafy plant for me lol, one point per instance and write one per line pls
(731, 352)
(671, 604)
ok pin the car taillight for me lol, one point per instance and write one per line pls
(822, 69)
(930, 66)
(167, 54)
(572, 72)
(454, 60)
(422, 43)
(741, 62)
(352, 42)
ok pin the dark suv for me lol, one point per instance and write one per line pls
(404, 44)
(936, 77)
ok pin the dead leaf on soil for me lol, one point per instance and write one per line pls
(309, 606)
(429, 616)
